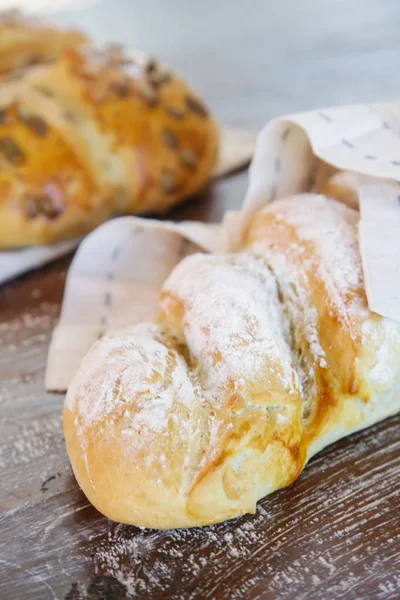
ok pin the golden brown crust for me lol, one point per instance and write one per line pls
(27, 41)
(323, 290)
(158, 126)
(46, 193)
(95, 133)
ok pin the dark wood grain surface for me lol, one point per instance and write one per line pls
(333, 534)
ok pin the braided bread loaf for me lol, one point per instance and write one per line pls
(25, 41)
(259, 360)
(97, 133)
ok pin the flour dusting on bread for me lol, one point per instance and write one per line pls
(331, 228)
(132, 368)
(232, 322)
(259, 359)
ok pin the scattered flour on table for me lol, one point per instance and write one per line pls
(27, 442)
(44, 320)
(143, 562)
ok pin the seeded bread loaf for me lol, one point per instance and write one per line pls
(97, 132)
(259, 359)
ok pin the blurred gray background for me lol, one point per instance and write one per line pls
(258, 59)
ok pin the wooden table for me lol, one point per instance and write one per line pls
(335, 532)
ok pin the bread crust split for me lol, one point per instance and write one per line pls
(259, 359)
(89, 132)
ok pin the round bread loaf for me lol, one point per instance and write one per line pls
(97, 132)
